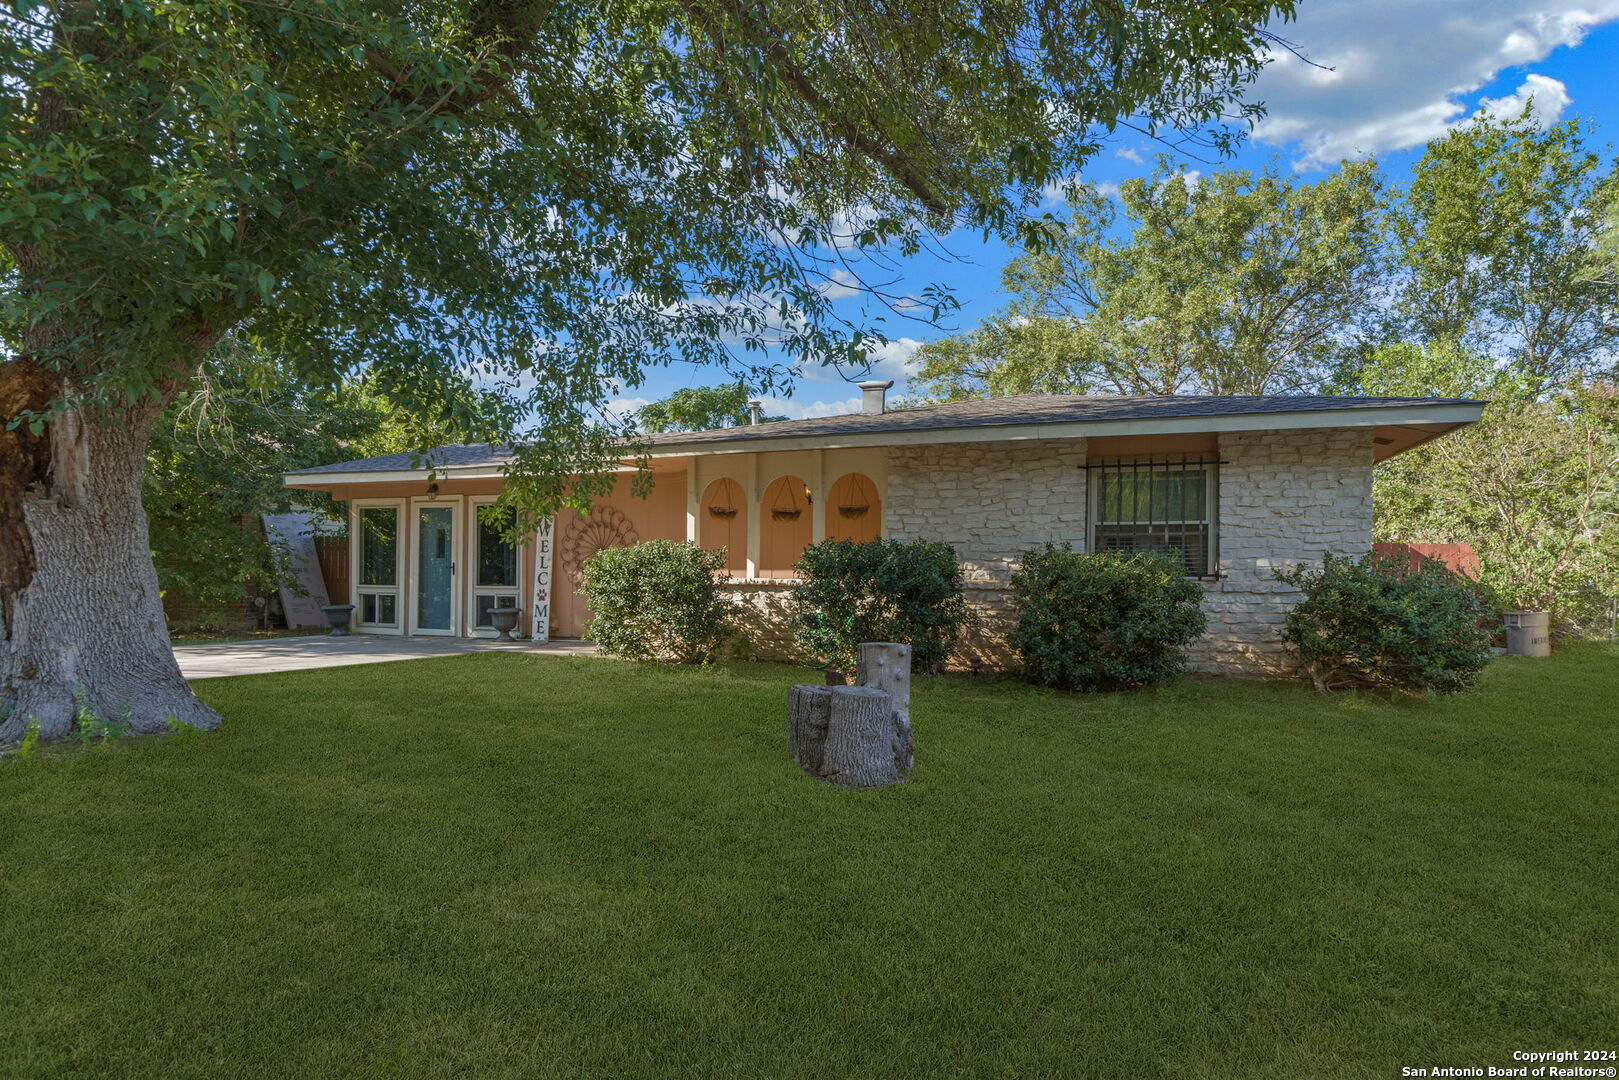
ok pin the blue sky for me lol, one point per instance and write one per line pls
(1403, 71)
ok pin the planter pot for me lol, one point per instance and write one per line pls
(1529, 633)
(337, 617)
(504, 620)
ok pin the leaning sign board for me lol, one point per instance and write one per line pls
(542, 580)
(294, 532)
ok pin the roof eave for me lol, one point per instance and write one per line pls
(1454, 414)
(1365, 416)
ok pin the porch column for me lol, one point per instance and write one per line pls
(691, 500)
(751, 488)
(817, 484)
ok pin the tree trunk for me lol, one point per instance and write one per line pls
(859, 749)
(856, 736)
(84, 626)
(886, 665)
(808, 710)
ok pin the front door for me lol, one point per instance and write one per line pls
(436, 607)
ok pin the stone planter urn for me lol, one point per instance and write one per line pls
(337, 617)
(504, 619)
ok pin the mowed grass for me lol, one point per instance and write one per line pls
(506, 866)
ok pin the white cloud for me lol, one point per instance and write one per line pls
(620, 408)
(1401, 70)
(1056, 192)
(840, 284)
(893, 360)
(1129, 154)
(1550, 98)
(804, 410)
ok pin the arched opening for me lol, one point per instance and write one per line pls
(785, 524)
(854, 510)
(722, 522)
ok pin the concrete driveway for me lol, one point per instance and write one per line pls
(321, 651)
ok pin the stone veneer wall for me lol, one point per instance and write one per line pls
(766, 630)
(1285, 498)
(989, 501)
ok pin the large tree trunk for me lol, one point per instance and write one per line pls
(83, 622)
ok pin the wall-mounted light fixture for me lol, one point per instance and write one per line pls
(432, 490)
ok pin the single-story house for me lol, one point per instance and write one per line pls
(1237, 485)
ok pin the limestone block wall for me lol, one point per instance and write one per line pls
(991, 502)
(1286, 497)
(766, 628)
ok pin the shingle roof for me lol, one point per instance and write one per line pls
(987, 412)
(440, 457)
(1041, 409)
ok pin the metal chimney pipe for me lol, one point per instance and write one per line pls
(755, 410)
(873, 395)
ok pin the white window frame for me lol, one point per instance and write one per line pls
(458, 550)
(358, 590)
(473, 590)
(1211, 503)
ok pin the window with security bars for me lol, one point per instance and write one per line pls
(1156, 506)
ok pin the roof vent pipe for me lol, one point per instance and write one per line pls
(755, 410)
(873, 393)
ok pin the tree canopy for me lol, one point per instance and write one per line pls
(1497, 233)
(698, 408)
(554, 195)
(1233, 283)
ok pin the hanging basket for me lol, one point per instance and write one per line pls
(724, 513)
(853, 511)
(785, 515)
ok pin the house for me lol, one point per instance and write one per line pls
(1237, 485)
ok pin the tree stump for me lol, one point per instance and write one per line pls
(808, 709)
(859, 747)
(887, 666)
(856, 736)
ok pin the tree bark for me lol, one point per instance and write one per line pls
(85, 627)
(856, 736)
(859, 749)
(808, 710)
(886, 665)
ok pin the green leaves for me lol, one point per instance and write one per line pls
(1497, 235)
(1103, 621)
(1230, 284)
(554, 197)
(878, 590)
(658, 600)
(1375, 622)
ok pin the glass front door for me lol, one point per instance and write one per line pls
(435, 569)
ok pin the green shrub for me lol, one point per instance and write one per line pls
(1379, 623)
(878, 590)
(659, 600)
(1103, 622)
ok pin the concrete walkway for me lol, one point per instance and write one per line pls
(321, 651)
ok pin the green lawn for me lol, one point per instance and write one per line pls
(499, 865)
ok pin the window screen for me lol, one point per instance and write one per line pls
(1153, 507)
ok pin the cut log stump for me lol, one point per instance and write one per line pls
(808, 708)
(856, 736)
(886, 665)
